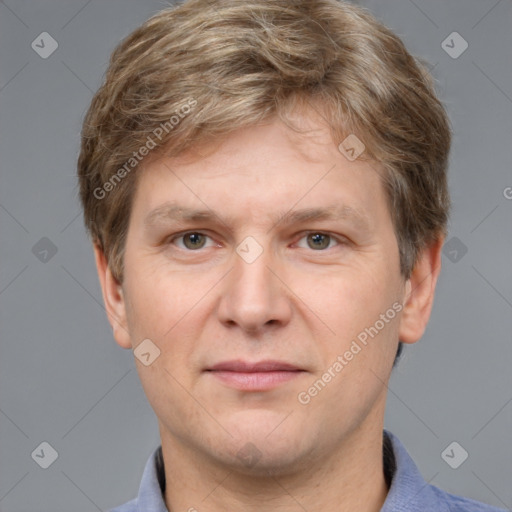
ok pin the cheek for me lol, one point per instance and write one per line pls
(170, 308)
(160, 296)
(346, 298)
(351, 303)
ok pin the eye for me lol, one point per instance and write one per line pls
(191, 240)
(318, 241)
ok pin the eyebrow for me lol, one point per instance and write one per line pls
(170, 211)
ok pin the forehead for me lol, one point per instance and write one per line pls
(264, 168)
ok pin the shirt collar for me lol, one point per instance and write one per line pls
(152, 485)
(408, 491)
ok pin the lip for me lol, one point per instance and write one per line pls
(269, 365)
(254, 376)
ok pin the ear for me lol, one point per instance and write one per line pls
(113, 298)
(419, 296)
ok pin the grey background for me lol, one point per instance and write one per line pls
(63, 379)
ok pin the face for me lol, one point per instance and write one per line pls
(267, 275)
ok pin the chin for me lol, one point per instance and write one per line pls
(265, 444)
(271, 460)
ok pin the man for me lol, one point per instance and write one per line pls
(265, 186)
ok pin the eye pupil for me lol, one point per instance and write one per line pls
(318, 241)
(194, 240)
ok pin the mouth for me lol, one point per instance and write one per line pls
(258, 376)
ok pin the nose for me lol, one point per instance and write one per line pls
(253, 297)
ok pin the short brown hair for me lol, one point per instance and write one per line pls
(205, 68)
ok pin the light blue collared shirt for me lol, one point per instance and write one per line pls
(408, 491)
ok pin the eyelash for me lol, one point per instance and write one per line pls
(332, 237)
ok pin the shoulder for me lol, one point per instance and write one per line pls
(460, 504)
(410, 492)
(150, 496)
(131, 506)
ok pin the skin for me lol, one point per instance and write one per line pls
(294, 303)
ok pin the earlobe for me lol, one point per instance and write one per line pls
(113, 299)
(419, 293)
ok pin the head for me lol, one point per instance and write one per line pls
(231, 119)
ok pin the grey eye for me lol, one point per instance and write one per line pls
(194, 240)
(318, 241)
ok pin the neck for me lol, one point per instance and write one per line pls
(349, 478)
